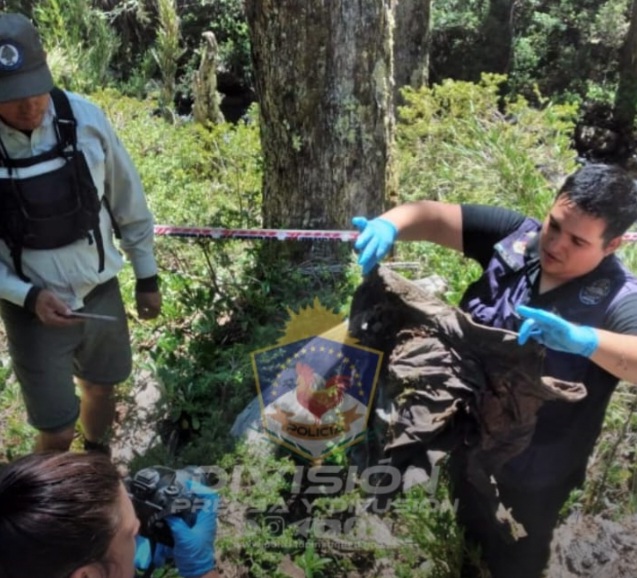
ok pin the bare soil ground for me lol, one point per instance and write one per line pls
(592, 547)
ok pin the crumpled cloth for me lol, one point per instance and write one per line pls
(451, 384)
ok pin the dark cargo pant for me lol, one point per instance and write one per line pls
(537, 510)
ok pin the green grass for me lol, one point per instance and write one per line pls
(17, 437)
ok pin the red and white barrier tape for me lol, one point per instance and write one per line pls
(278, 234)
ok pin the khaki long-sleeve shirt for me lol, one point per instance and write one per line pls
(72, 271)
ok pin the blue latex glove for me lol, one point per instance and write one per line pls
(556, 333)
(194, 550)
(375, 241)
(142, 554)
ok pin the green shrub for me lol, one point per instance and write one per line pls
(198, 176)
(564, 45)
(79, 41)
(458, 142)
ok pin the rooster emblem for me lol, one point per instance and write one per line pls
(317, 395)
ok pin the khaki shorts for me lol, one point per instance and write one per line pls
(45, 359)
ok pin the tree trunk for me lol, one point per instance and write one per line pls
(323, 81)
(626, 96)
(496, 33)
(411, 45)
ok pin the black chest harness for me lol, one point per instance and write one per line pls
(49, 200)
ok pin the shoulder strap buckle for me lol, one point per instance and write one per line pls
(65, 123)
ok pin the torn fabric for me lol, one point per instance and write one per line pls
(452, 385)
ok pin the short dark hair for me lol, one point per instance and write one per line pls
(58, 512)
(604, 191)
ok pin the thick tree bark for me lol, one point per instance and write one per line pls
(411, 45)
(323, 80)
(496, 33)
(626, 96)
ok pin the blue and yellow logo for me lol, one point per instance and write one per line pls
(316, 386)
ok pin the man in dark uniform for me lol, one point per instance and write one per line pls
(560, 283)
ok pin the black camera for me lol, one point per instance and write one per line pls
(157, 492)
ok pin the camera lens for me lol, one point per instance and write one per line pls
(171, 491)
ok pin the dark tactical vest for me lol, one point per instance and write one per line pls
(49, 200)
(566, 433)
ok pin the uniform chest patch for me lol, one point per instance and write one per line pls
(519, 247)
(594, 292)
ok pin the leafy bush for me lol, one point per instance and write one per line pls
(193, 175)
(564, 46)
(459, 142)
(79, 41)
(199, 176)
